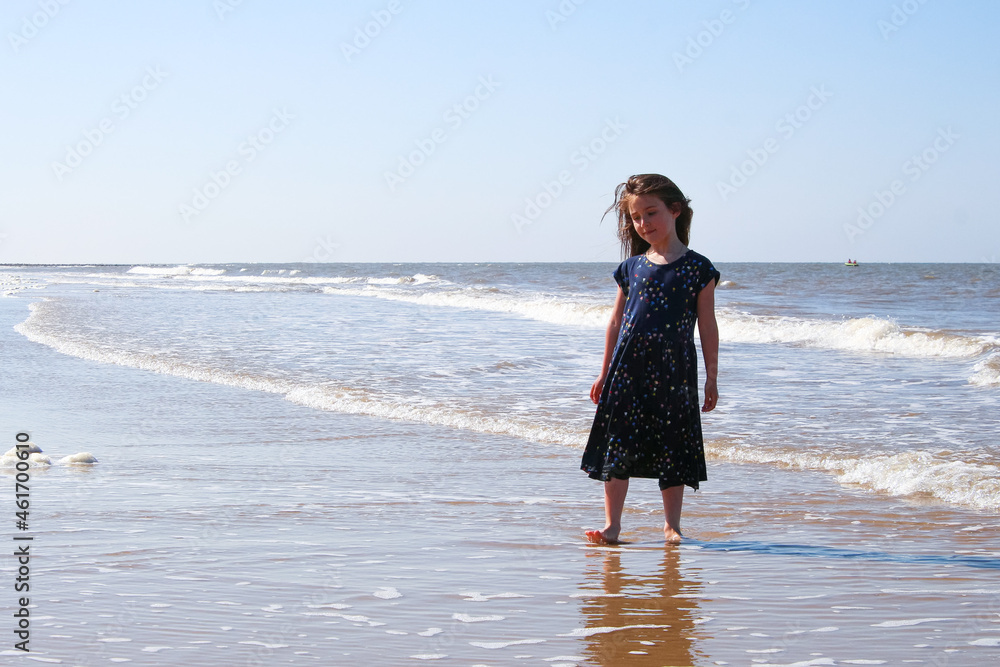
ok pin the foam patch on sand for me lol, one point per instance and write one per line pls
(496, 645)
(589, 632)
(82, 457)
(466, 618)
(387, 593)
(36, 457)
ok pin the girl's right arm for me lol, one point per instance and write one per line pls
(610, 340)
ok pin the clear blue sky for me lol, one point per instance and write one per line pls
(183, 84)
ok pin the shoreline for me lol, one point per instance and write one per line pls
(281, 527)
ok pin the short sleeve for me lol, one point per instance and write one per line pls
(622, 278)
(708, 273)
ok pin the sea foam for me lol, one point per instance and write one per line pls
(938, 475)
(544, 308)
(344, 399)
(986, 373)
(861, 335)
(864, 335)
(914, 473)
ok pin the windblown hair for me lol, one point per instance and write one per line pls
(660, 187)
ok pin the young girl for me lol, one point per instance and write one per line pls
(647, 422)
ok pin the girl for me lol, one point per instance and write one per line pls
(647, 422)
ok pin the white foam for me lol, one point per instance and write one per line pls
(388, 281)
(544, 308)
(263, 644)
(938, 475)
(986, 373)
(860, 335)
(479, 597)
(430, 632)
(496, 645)
(352, 400)
(588, 632)
(865, 334)
(9, 460)
(941, 476)
(160, 270)
(466, 618)
(81, 457)
(28, 446)
(909, 622)
(387, 593)
(11, 284)
(190, 277)
(986, 641)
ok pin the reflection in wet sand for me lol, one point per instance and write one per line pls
(642, 599)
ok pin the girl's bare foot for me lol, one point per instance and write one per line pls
(672, 536)
(606, 536)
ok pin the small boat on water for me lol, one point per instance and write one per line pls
(851, 262)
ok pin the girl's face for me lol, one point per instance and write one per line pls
(653, 220)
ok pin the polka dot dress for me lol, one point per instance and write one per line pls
(648, 421)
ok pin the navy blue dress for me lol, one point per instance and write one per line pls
(648, 421)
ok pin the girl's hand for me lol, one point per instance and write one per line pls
(596, 389)
(711, 395)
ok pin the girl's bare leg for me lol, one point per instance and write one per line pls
(614, 502)
(673, 498)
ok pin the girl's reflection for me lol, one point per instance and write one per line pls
(627, 597)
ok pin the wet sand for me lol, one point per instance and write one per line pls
(296, 536)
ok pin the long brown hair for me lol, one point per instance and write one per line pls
(660, 187)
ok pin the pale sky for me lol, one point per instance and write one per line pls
(262, 131)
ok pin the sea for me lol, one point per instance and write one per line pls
(336, 463)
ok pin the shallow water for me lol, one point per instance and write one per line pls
(418, 496)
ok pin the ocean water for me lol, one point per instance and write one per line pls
(308, 463)
(887, 376)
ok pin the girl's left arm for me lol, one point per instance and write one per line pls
(708, 330)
